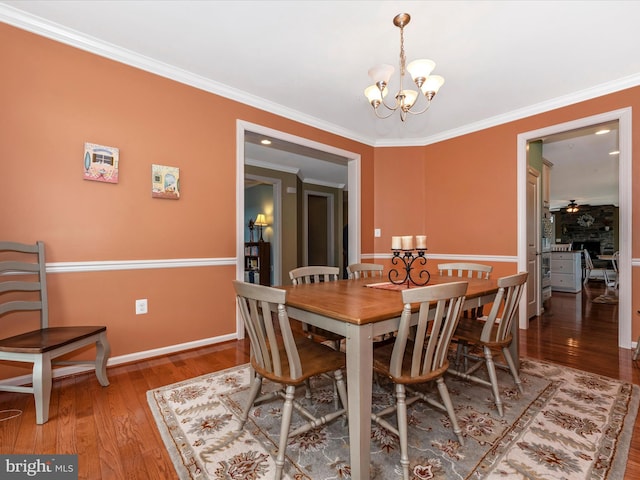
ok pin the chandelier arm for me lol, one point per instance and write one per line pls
(375, 110)
(393, 108)
(421, 111)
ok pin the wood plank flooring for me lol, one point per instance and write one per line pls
(113, 432)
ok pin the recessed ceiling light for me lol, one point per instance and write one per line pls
(615, 152)
(603, 131)
(265, 142)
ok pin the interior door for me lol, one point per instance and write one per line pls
(318, 240)
(533, 243)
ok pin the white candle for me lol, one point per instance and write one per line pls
(421, 242)
(407, 242)
(396, 243)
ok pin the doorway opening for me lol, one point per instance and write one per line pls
(350, 159)
(623, 117)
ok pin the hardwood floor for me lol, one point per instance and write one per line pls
(112, 430)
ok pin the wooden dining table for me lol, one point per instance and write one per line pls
(361, 310)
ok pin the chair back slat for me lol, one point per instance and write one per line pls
(314, 274)
(504, 308)
(587, 259)
(438, 315)
(364, 270)
(266, 321)
(462, 269)
(23, 281)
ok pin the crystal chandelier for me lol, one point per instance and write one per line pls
(405, 99)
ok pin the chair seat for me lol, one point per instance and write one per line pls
(47, 339)
(470, 330)
(316, 358)
(382, 359)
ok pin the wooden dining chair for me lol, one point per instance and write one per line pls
(364, 270)
(317, 274)
(615, 260)
(23, 289)
(419, 356)
(466, 270)
(590, 269)
(279, 356)
(491, 333)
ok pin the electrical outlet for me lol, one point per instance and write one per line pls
(377, 233)
(141, 306)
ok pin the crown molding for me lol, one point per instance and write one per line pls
(68, 36)
(51, 30)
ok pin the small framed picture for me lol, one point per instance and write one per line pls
(101, 163)
(165, 182)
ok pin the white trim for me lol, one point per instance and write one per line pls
(54, 31)
(353, 174)
(76, 39)
(448, 256)
(276, 240)
(103, 266)
(624, 118)
(132, 357)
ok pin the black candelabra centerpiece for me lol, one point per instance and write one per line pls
(407, 257)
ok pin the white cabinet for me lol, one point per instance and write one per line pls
(566, 271)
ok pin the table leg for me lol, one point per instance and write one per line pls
(359, 349)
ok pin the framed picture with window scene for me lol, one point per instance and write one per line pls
(101, 163)
(165, 182)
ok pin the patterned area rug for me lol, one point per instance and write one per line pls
(568, 425)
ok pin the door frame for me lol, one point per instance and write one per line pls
(624, 117)
(535, 210)
(353, 186)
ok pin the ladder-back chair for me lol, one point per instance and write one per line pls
(23, 289)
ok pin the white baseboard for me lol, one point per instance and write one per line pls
(132, 357)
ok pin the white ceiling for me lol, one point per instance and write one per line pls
(583, 168)
(308, 60)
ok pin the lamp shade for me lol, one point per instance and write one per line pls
(410, 97)
(261, 220)
(421, 68)
(373, 94)
(381, 73)
(432, 85)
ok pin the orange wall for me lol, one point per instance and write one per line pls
(462, 193)
(55, 97)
